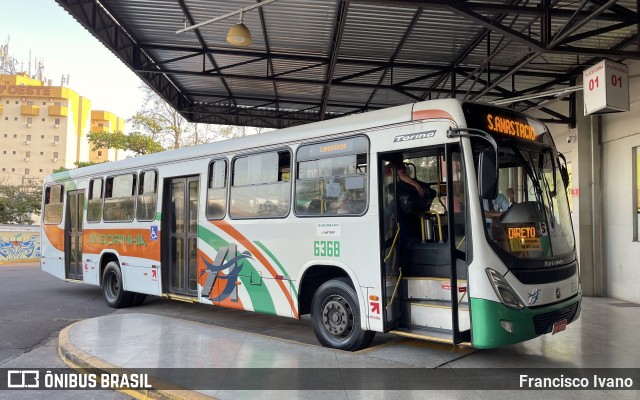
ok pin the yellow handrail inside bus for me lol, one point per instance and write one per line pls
(431, 212)
(395, 291)
(393, 245)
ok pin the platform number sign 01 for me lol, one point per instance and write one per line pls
(606, 88)
(616, 80)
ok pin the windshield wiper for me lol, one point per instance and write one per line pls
(527, 167)
(548, 192)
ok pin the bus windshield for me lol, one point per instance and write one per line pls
(530, 218)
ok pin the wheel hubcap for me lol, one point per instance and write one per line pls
(337, 317)
(112, 286)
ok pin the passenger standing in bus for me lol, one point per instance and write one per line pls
(413, 197)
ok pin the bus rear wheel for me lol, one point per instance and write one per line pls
(112, 288)
(336, 318)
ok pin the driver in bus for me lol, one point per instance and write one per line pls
(493, 209)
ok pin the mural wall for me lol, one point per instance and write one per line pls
(19, 243)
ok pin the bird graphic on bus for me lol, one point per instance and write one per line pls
(213, 272)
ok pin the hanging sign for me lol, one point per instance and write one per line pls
(606, 88)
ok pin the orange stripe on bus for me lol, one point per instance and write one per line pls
(233, 232)
(430, 114)
(55, 235)
(150, 251)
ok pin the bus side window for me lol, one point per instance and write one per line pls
(147, 196)
(260, 187)
(94, 206)
(217, 189)
(332, 178)
(53, 204)
(119, 199)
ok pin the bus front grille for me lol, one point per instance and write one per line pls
(543, 322)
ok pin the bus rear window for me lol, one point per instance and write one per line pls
(53, 204)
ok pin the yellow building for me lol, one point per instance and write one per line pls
(43, 128)
(108, 122)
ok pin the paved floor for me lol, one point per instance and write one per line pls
(604, 337)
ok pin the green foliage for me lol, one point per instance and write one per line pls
(80, 164)
(136, 142)
(107, 140)
(18, 203)
(140, 143)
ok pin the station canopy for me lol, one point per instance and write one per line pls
(318, 59)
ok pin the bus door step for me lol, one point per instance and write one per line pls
(434, 335)
(180, 297)
(434, 314)
(430, 288)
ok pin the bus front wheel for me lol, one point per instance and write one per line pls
(112, 288)
(335, 316)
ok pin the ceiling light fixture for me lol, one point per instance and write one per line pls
(239, 34)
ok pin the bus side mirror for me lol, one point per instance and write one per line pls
(564, 174)
(488, 175)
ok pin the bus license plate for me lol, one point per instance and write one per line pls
(559, 326)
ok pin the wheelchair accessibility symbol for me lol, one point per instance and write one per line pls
(154, 232)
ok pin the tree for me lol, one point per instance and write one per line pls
(164, 124)
(19, 203)
(136, 142)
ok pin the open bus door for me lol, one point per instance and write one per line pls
(424, 260)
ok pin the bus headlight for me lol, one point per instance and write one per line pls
(503, 290)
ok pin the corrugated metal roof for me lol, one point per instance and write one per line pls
(318, 59)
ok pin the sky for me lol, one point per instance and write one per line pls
(65, 47)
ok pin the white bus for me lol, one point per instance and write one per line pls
(315, 220)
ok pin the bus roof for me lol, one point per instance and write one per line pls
(445, 108)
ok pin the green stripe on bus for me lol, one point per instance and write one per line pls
(284, 271)
(488, 333)
(61, 176)
(259, 294)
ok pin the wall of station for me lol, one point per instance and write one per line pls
(605, 202)
(620, 135)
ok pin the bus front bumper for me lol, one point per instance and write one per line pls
(488, 319)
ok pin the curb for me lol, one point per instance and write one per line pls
(80, 360)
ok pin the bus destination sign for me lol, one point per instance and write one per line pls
(510, 126)
(505, 123)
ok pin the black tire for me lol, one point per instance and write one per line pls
(335, 315)
(112, 288)
(138, 299)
